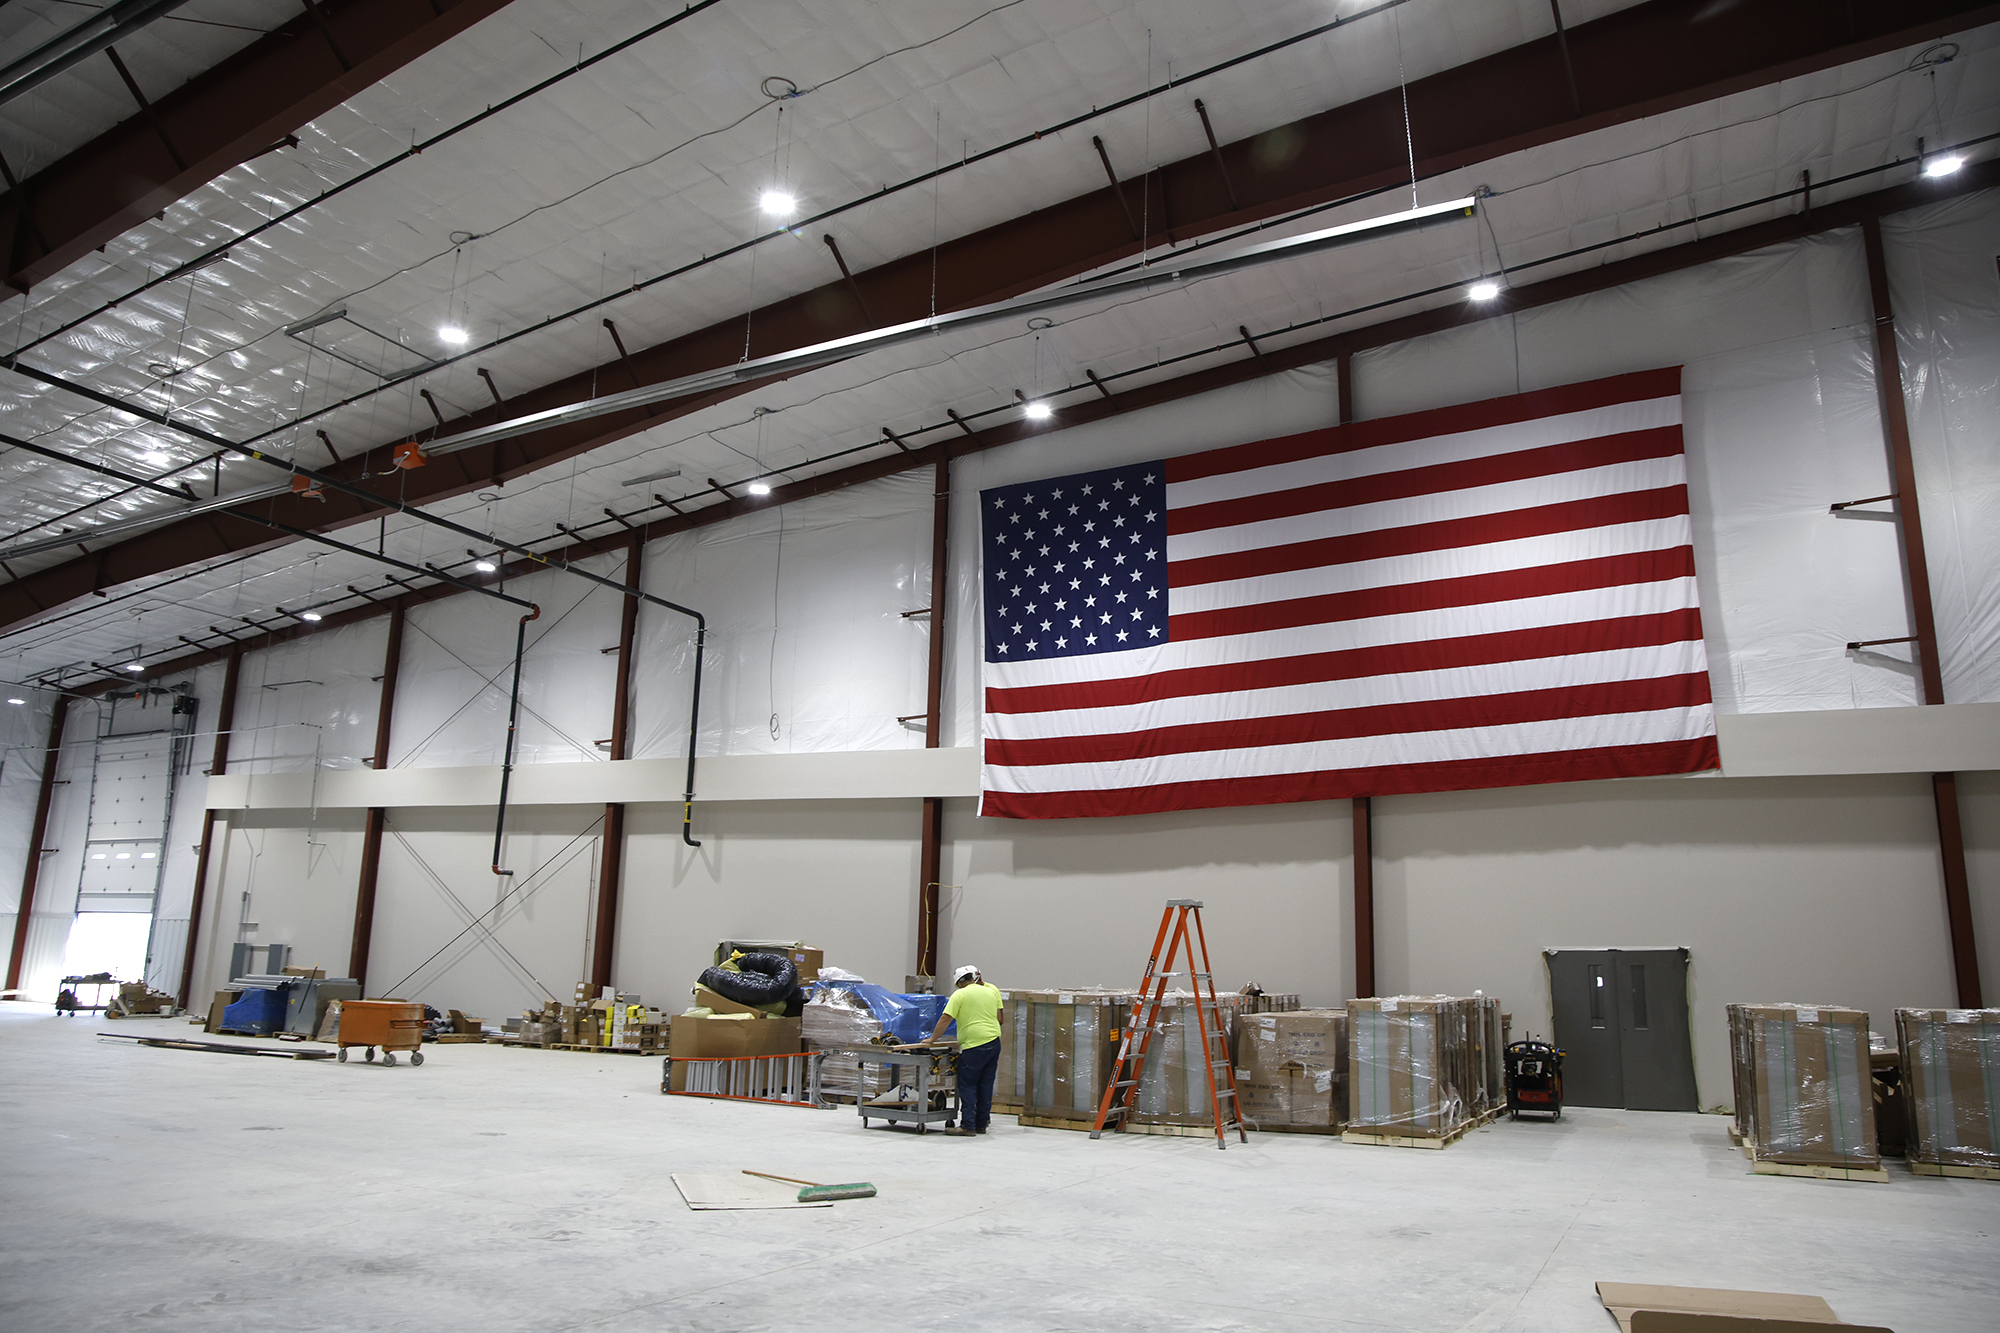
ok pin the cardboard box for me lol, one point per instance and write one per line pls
(726, 1038)
(223, 999)
(1411, 1062)
(1291, 1067)
(1649, 1309)
(312, 973)
(1951, 1075)
(1808, 1084)
(808, 961)
(722, 1004)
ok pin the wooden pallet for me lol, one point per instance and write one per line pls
(1291, 1129)
(1054, 1122)
(1136, 1127)
(459, 1039)
(605, 1050)
(1879, 1175)
(1486, 1117)
(1961, 1172)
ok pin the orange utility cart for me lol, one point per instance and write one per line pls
(390, 1024)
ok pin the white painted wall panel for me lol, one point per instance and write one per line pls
(841, 875)
(293, 882)
(1799, 889)
(534, 928)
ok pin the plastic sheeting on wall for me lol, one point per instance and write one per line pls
(1781, 422)
(808, 644)
(458, 664)
(305, 702)
(1943, 286)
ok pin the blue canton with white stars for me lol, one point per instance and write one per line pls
(1075, 565)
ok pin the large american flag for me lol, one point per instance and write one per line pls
(1490, 595)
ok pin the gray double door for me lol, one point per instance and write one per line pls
(1621, 1018)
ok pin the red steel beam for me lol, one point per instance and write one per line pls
(611, 867)
(378, 817)
(1638, 62)
(37, 834)
(1526, 296)
(930, 857)
(1363, 851)
(225, 722)
(218, 119)
(1916, 574)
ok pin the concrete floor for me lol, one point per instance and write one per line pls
(498, 1189)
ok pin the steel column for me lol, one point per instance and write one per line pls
(1916, 573)
(225, 722)
(378, 817)
(931, 851)
(36, 835)
(611, 867)
(1363, 850)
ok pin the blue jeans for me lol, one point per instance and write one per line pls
(977, 1068)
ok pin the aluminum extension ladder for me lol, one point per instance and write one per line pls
(1122, 1091)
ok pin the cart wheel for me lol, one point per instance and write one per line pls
(388, 1057)
(416, 1057)
(370, 1057)
(342, 1057)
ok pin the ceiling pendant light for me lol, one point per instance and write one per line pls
(313, 616)
(1483, 290)
(1037, 410)
(454, 335)
(485, 566)
(777, 203)
(759, 488)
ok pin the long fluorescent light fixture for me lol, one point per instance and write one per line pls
(1157, 277)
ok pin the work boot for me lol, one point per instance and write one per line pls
(960, 1131)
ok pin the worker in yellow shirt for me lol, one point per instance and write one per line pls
(976, 1008)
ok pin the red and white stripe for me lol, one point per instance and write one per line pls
(1489, 595)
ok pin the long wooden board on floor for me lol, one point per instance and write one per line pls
(226, 1048)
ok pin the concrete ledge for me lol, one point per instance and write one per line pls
(851, 775)
(1947, 738)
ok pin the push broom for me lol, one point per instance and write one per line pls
(813, 1193)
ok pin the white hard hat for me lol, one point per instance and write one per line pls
(966, 971)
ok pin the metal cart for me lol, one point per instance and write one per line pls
(389, 1024)
(928, 1104)
(1534, 1079)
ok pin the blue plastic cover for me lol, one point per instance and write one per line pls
(904, 1017)
(258, 1011)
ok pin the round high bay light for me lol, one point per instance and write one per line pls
(1483, 290)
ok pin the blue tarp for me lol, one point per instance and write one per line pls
(259, 1011)
(904, 1017)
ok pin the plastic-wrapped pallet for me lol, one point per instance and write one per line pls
(1951, 1071)
(1291, 1068)
(1058, 1048)
(834, 1017)
(1809, 1091)
(1173, 1087)
(1406, 1062)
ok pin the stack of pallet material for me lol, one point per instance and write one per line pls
(1291, 1069)
(1417, 1067)
(1951, 1073)
(1173, 1086)
(834, 1019)
(1804, 1105)
(1057, 1051)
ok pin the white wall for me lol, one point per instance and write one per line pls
(1817, 888)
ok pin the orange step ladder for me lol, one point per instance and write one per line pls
(1121, 1093)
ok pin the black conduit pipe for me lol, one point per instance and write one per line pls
(402, 507)
(513, 718)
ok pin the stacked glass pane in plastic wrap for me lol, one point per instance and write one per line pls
(1422, 1069)
(1804, 1100)
(1951, 1073)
